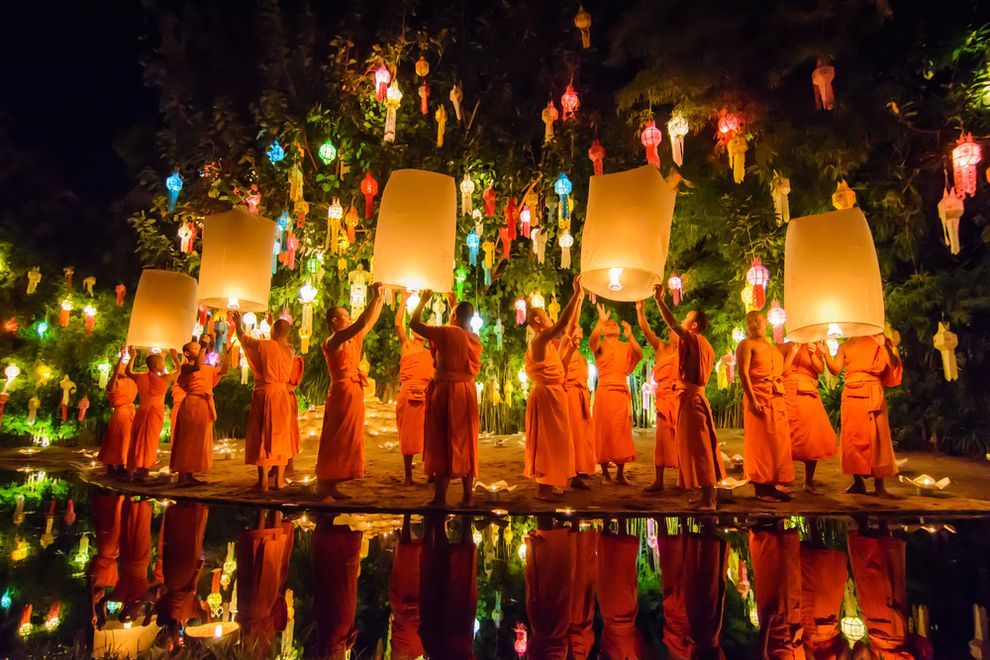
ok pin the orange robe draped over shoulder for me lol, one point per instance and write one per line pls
(448, 591)
(262, 567)
(618, 597)
(667, 400)
(182, 560)
(549, 577)
(812, 435)
(867, 448)
(135, 551)
(403, 599)
(675, 622)
(613, 414)
(879, 571)
(767, 436)
(117, 439)
(102, 569)
(336, 555)
(341, 455)
(294, 381)
(268, 440)
(415, 374)
(579, 414)
(777, 583)
(549, 452)
(581, 635)
(697, 445)
(705, 563)
(192, 448)
(148, 421)
(451, 432)
(823, 584)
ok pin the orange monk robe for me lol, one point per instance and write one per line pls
(767, 435)
(450, 440)
(823, 584)
(403, 599)
(341, 455)
(867, 448)
(336, 555)
(178, 394)
(135, 551)
(182, 561)
(667, 402)
(102, 569)
(549, 452)
(268, 440)
(262, 567)
(776, 559)
(148, 421)
(581, 635)
(579, 414)
(675, 621)
(192, 449)
(705, 563)
(448, 592)
(294, 381)
(879, 571)
(618, 597)
(415, 374)
(812, 435)
(549, 578)
(697, 445)
(612, 410)
(117, 439)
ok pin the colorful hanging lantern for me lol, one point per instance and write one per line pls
(570, 102)
(369, 187)
(476, 323)
(103, 369)
(758, 276)
(33, 404)
(676, 286)
(521, 645)
(538, 236)
(82, 406)
(422, 67)
(11, 371)
(520, 306)
(34, 279)
(187, 237)
(525, 221)
(651, 138)
(358, 279)
(777, 317)
(677, 130)
(65, 307)
(335, 213)
(307, 296)
(503, 235)
(382, 78)
(597, 155)
(393, 98)
(728, 125)
(488, 247)
(282, 225)
(549, 116)
(553, 309)
(563, 187)
(844, 197)
(499, 332)
(738, 334)
(351, 220)
(945, 342)
(456, 98)
(566, 242)
(120, 291)
(328, 152)
(253, 199)
(174, 186)
(467, 190)
(582, 21)
(276, 152)
(511, 216)
(90, 318)
(965, 157)
(821, 80)
(737, 149)
(67, 387)
(537, 301)
(473, 242)
(780, 188)
(950, 210)
(424, 98)
(441, 116)
(460, 277)
(488, 196)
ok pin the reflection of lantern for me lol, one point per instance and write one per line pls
(382, 78)
(844, 197)
(174, 186)
(651, 138)
(307, 296)
(570, 102)
(821, 290)
(950, 211)
(758, 276)
(467, 190)
(777, 318)
(965, 157)
(677, 130)
(627, 226)
(417, 231)
(164, 310)
(549, 116)
(676, 286)
(63, 315)
(328, 152)
(235, 270)
(89, 312)
(597, 155)
(582, 21)
(393, 98)
(520, 307)
(369, 187)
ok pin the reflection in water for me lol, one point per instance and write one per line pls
(159, 577)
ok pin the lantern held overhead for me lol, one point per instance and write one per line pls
(164, 310)
(236, 270)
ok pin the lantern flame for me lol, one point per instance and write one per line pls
(834, 330)
(613, 275)
(233, 303)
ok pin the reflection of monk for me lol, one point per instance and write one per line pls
(705, 560)
(448, 592)
(336, 554)
(135, 555)
(262, 566)
(581, 636)
(102, 570)
(549, 576)
(403, 596)
(618, 595)
(777, 583)
(675, 622)
(878, 567)
(182, 561)
(823, 584)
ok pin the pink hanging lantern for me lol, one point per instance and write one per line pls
(570, 102)
(525, 220)
(651, 137)
(382, 78)
(370, 188)
(676, 286)
(728, 125)
(520, 306)
(777, 318)
(758, 276)
(597, 155)
(965, 157)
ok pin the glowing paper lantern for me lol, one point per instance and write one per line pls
(235, 271)
(582, 21)
(476, 323)
(676, 286)
(844, 197)
(11, 371)
(89, 313)
(460, 277)
(549, 116)
(174, 186)
(563, 187)
(164, 310)
(627, 227)
(328, 152)
(832, 277)
(777, 318)
(382, 78)
(369, 188)
(276, 152)
(728, 125)
(525, 221)
(780, 188)
(597, 155)
(467, 190)
(488, 196)
(950, 211)
(417, 231)
(473, 242)
(570, 102)
(965, 157)
(456, 97)
(520, 307)
(821, 79)
(945, 342)
(307, 296)
(677, 129)
(651, 138)
(737, 149)
(393, 98)
(758, 277)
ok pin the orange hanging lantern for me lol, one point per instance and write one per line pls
(370, 188)
(382, 78)
(63, 315)
(90, 313)
(676, 286)
(352, 222)
(597, 155)
(582, 21)
(965, 157)
(758, 276)
(651, 137)
(570, 102)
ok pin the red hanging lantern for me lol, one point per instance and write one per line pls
(597, 155)
(503, 234)
(382, 78)
(203, 315)
(90, 319)
(82, 406)
(511, 215)
(63, 315)
(728, 125)
(11, 325)
(570, 102)
(758, 276)
(651, 137)
(370, 188)
(489, 198)
(676, 286)
(965, 157)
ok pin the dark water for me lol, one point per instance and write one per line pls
(298, 584)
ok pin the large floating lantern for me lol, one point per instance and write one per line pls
(626, 233)
(164, 310)
(236, 269)
(417, 230)
(832, 285)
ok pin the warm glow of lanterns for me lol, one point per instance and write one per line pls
(651, 138)
(476, 323)
(236, 265)
(164, 310)
(728, 125)
(676, 287)
(677, 129)
(569, 103)
(758, 277)
(965, 157)
(369, 188)
(89, 314)
(520, 306)
(597, 155)
(777, 317)
(382, 78)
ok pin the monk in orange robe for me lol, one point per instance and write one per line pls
(341, 456)
(268, 442)
(102, 572)
(549, 451)
(675, 622)
(766, 430)
(403, 595)
(146, 430)
(697, 445)
(776, 556)
(336, 560)
(615, 360)
(666, 399)
(618, 595)
(549, 575)
(192, 449)
(298, 365)
(705, 562)
(812, 436)
(135, 556)
(182, 562)
(580, 633)
(121, 392)
(871, 365)
(415, 375)
(879, 571)
(823, 584)
(262, 567)
(578, 404)
(450, 439)
(448, 591)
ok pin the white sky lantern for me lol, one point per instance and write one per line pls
(164, 310)
(832, 284)
(417, 230)
(236, 268)
(626, 233)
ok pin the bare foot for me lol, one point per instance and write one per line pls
(885, 494)
(621, 480)
(467, 502)
(655, 487)
(435, 504)
(335, 493)
(578, 484)
(409, 482)
(857, 488)
(812, 489)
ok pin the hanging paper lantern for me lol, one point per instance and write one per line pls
(460, 277)
(549, 116)
(456, 98)
(582, 21)
(103, 368)
(187, 237)
(520, 645)
(844, 197)
(422, 66)
(945, 342)
(328, 152)
(728, 125)
(777, 317)
(570, 102)
(164, 310)
(746, 295)
(82, 406)
(965, 157)
(358, 279)
(677, 129)
(276, 255)
(758, 276)
(537, 301)
(441, 116)
(369, 187)
(737, 149)
(511, 217)
(553, 309)
(489, 198)
(467, 190)
(597, 155)
(676, 286)
(282, 224)
(63, 316)
(307, 296)
(473, 242)
(393, 98)
(651, 138)
(351, 221)
(335, 213)
(424, 98)
(780, 188)
(488, 263)
(950, 210)
(174, 186)
(476, 323)
(563, 187)
(235, 271)
(89, 313)
(382, 78)
(738, 334)
(566, 242)
(11, 371)
(503, 234)
(525, 221)
(499, 333)
(520, 306)
(276, 152)
(821, 79)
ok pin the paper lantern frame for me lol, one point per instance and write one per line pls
(237, 260)
(164, 310)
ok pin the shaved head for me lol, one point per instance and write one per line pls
(281, 329)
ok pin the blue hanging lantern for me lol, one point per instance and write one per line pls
(276, 250)
(173, 183)
(563, 189)
(282, 224)
(276, 152)
(473, 242)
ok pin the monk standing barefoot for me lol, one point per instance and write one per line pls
(121, 392)
(192, 449)
(578, 404)
(152, 385)
(767, 433)
(341, 456)
(613, 420)
(415, 375)
(450, 439)
(871, 364)
(666, 396)
(697, 445)
(549, 452)
(298, 365)
(268, 441)
(812, 436)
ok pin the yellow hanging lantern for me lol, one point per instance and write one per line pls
(307, 296)
(780, 188)
(335, 213)
(945, 342)
(737, 148)
(844, 197)
(582, 21)
(441, 116)
(393, 98)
